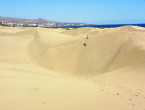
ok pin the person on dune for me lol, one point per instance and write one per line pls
(85, 44)
(87, 37)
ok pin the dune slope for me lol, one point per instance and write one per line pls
(106, 50)
(51, 69)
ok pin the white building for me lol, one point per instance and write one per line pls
(19, 25)
(33, 25)
(50, 24)
(10, 24)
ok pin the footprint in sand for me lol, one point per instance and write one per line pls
(117, 93)
(130, 99)
(35, 89)
(135, 95)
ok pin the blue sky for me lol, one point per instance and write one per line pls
(85, 11)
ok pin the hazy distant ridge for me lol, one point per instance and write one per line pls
(21, 20)
(39, 21)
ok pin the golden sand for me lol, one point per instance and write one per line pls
(51, 69)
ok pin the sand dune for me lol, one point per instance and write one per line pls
(45, 69)
(115, 48)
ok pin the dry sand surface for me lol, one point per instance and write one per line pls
(51, 69)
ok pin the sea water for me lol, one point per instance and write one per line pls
(99, 26)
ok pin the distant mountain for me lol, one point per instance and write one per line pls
(39, 21)
(21, 20)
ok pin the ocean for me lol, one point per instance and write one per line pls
(99, 26)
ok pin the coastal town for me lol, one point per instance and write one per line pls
(17, 22)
